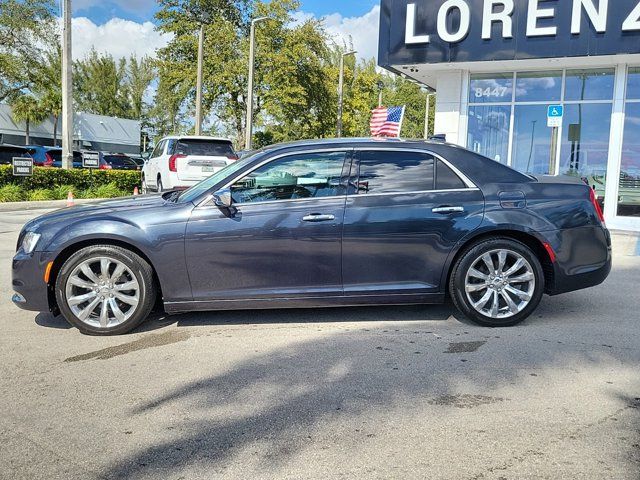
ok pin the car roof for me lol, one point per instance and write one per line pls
(480, 169)
(196, 137)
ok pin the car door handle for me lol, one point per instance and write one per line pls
(317, 217)
(444, 210)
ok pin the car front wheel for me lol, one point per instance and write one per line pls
(497, 283)
(105, 290)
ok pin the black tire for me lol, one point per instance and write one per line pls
(138, 267)
(159, 187)
(469, 257)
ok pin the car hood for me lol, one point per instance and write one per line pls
(119, 207)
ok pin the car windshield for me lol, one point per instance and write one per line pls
(197, 190)
(210, 148)
(117, 160)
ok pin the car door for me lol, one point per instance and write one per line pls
(403, 217)
(282, 236)
(151, 167)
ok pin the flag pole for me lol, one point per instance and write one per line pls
(401, 121)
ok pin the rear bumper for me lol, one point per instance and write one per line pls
(584, 259)
(30, 290)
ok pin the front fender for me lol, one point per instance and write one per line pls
(162, 243)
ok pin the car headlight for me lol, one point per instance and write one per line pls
(30, 241)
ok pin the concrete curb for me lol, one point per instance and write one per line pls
(14, 206)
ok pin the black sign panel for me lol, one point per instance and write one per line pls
(449, 31)
(22, 167)
(90, 160)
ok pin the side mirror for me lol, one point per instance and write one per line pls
(222, 198)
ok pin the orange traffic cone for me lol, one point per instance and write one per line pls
(136, 191)
(70, 200)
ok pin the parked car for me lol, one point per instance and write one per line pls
(55, 155)
(181, 162)
(39, 154)
(9, 152)
(118, 161)
(316, 224)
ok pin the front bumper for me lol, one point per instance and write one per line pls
(27, 272)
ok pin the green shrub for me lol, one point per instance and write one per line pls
(110, 190)
(79, 179)
(40, 194)
(11, 193)
(62, 191)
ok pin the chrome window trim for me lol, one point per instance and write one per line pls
(414, 192)
(470, 185)
(455, 170)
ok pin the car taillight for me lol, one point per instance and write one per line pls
(105, 166)
(173, 162)
(233, 157)
(596, 204)
(48, 160)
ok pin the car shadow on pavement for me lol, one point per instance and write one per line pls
(280, 404)
(48, 320)
(394, 313)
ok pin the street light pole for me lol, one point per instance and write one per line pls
(199, 81)
(252, 46)
(67, 88)
(341, 90)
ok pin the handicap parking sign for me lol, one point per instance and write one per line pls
(554, 115)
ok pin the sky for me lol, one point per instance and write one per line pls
(123, 27)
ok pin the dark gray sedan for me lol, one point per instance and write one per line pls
(321, 224)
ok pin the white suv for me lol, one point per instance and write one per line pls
(183, 161)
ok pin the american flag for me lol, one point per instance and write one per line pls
(386, 121)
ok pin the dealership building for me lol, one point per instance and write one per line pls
(545, 86)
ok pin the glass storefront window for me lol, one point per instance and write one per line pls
(489, 131)
(491, 88)
(589, 85)
(584, 150)
(539, 87)
(633, 85)
(531, 139)
(629, 188)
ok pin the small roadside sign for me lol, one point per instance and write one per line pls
(22, 166)
(90, 160)
(554, 116)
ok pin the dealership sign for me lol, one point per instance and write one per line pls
(433, 31)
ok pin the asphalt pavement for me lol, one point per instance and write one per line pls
(380, 392)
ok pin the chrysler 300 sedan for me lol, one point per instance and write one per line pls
(321, 224)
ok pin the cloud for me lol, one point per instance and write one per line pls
(140, 7)
(118, 37)
(362, 31)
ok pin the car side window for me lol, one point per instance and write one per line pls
(387, 171)
(158, 150)
(300, 176)
(447, 179)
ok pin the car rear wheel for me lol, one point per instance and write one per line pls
(497, 283)
(105, 290)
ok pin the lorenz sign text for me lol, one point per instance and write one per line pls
(430, 31)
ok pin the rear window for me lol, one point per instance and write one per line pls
(446, 179)
(118, 160)
(210, 148)
(8, 153)
(57, 156)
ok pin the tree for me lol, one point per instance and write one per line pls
(27, 28)
(49, 88)
(25, 108)
(100, 86)
(139, 76)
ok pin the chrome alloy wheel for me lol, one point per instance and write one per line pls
(500, 283)
(102, 292)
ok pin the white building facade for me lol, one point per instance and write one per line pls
(499, 65)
